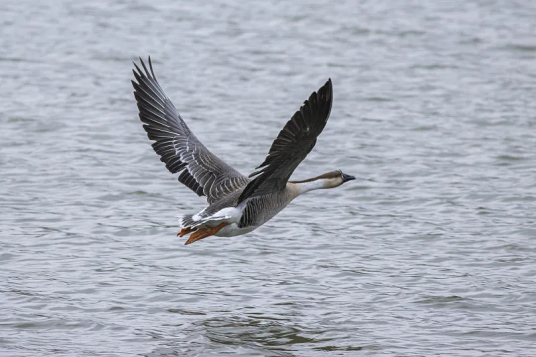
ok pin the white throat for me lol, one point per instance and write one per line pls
(311, 185)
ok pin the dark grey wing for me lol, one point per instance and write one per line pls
(292, 145)
(201, 171)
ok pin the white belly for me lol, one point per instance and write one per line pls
(233, 230)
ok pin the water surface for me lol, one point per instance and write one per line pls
(430, 252)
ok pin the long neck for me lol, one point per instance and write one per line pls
(310, 185)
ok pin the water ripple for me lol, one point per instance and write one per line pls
(429, 252)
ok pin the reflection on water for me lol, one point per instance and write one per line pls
(429, 252)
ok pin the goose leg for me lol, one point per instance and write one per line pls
(205, 232)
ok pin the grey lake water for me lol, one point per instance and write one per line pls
(430, 252)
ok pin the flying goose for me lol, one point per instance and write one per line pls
(236, 204)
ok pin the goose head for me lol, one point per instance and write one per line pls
(335, 178)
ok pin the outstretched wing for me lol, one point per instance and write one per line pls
(201, 171)
(292, 145)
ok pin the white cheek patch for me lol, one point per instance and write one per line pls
(332, 182)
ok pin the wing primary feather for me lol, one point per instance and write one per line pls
(151, 67)
(145, 68)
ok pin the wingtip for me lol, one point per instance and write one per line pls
(144, 67)
(328, 88)
(151, 67)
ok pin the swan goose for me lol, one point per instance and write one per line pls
(236, 204)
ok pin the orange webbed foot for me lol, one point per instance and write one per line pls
(186, 231)
(205, 232)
